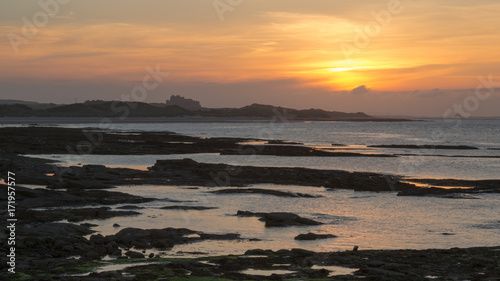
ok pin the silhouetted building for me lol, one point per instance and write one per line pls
(184, 102)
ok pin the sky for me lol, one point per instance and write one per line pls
(390, 57)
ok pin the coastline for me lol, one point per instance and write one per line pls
(186, 119)
(54, 238)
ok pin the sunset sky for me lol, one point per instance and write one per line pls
(388, 57)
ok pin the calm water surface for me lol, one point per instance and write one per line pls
(369, 220)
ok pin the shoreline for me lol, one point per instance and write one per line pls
(187, 119)
(48, 240)
(475, 263)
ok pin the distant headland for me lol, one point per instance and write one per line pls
(175, 107)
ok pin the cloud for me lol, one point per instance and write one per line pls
(361, 90)
(430, 93)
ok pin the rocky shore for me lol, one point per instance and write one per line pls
(258, 264)
(53, 244)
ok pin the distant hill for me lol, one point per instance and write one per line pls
(114, 109)
(268, 111)
(16, 110)
(16, 102)
(31, 104)
(138, 109)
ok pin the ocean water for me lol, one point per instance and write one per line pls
(369, 220)
(480, 133)
(483, 163)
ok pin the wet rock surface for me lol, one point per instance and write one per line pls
(46, 244)
(294, 150)
(313, 236)
(298, 264)
(36, 140)
(283, 142)
(83, 185)
(262, 191)
(53, 140)
(38, 198)
(197, 208)
(130, 207)
(426, 146)
(188, 171)
(160, 238)
(50, 250)
(279, 219)
(72, 215)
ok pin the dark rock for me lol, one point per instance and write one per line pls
(316, 273)
(293, 150)
(228, 236)
(107, 275)
(432, 191)
(140, 244)
(282, 252)
(91, 255)
(134, 255)
(262, 191)
(55, 230)
(450, 193)
(375, 263)
(382, 273)
(68, 248)
(200, 208)
(313, 236)
(258, 252)
(248, 214)
(116, 253)
(89, 225)
(279, 219)
(162, 238)
(130, 207)
(395, 266)
(163, 244)
(59, 244)
(97, 239)
(40, 198)
(302, 253)
(34, 241)
(283, 142)
(425, 146)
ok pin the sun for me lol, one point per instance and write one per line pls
(341, 66)
(341, 74)
(342, 69)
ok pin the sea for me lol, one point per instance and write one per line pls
(368, 220)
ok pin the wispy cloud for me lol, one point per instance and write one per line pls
(361, 90)
(431, 45)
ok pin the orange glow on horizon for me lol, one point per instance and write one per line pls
(301, 47)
